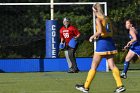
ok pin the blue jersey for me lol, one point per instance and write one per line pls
(135, 47)
(138, 37)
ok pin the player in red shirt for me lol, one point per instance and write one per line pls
(69, 35)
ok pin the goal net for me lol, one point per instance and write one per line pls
(23, 27)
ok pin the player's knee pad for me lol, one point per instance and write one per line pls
(72, 43)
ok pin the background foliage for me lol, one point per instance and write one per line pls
(23, 28)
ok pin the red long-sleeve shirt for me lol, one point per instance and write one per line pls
(68, 33)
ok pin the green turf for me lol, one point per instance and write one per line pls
(62, 82)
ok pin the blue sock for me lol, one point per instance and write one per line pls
(126, 66)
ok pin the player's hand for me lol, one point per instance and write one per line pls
(126, 47)
(129, 44)
(97, 37)
(75, 38)
(91, 39)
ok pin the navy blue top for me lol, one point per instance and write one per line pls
(138, 39)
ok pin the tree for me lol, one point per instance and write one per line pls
(23, 26)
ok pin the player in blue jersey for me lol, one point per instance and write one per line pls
(133, 45)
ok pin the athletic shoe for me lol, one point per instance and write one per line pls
(81, 88)
(120, 89)
(123, 75)
(77, 70)
(73, 71)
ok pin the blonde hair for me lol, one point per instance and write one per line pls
(98, 9)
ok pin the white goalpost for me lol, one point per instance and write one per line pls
(52, 4)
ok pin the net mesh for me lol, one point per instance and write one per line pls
(23, 29)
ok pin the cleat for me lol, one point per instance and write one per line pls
(81, 88)
(123, 75)
(70, 70)
(77, 70)
(73, 71)
(120, 89)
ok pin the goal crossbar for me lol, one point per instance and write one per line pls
(71, 3)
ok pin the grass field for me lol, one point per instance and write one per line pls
(62, 82)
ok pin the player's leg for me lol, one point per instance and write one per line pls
(128, 58)
(71, 54)
(68, 59)
(116, 74)
(91, 74)
(138, 56)
(71, 60)
(95, 62)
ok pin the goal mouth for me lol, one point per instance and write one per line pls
(23, 25)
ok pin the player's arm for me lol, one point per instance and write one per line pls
(62, 40)
(133, 34)
(77, 33)
(98, 33)
(61, 36)
(62, 44)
